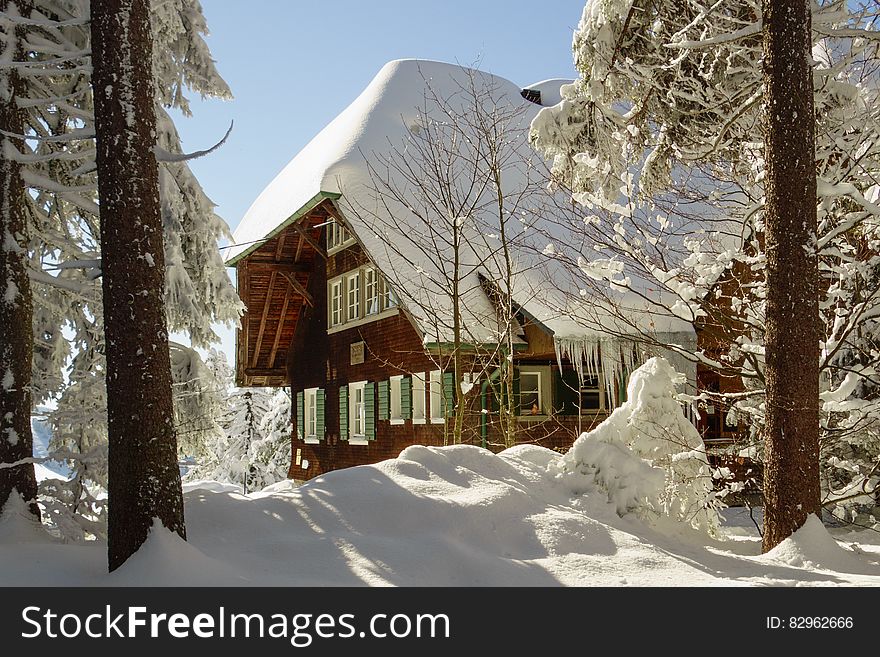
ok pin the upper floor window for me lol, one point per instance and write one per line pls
(354, 296)
(359, 295)
(338, 236)
(371, 292)
(336, 299)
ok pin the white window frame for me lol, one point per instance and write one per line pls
(357, 415)
(371, 292)
(310, 421)
(435, 388)
(385, 305)
(418, 393)
(395, 399)
(338, 237)
(520, 410)
(356, 289)
(545, 391)
(337, 302)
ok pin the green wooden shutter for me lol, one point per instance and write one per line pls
(517, 402)
(566, 392)
(406, 398)
(343, 412)
(370, 410)
(319, 411)
(383, 400)
(300, 415)
(448, 394)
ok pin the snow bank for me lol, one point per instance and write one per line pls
(165, 559)
(813, 547)
(435, 516)
(647, 456)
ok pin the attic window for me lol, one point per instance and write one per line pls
(531, 95)
(338, 236)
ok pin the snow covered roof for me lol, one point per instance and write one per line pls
(336, 165)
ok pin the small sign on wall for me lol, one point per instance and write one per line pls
(299, 455)
(357, 353)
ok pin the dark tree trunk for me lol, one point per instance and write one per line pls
(791, 468)
(144, 480)
(16, 304)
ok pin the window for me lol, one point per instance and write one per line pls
(436, 384)
(371, 292)
(360, 295)
(530, 398)
(357, 410)
(311, 410)
(354, 296)
(395, 406)
(336, 303)
(592, 395)
(337, 236)
(389, 299)
(418, 398)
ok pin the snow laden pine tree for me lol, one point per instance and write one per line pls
(16, 313)
(698, 185)
(57, 167)
(144, 480)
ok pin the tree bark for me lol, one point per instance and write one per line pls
(144, 480)
(791, 443)
(16, 303)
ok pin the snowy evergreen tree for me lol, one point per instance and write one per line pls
(269, 455)
(58, 168)
(143, 480)
(230, 458)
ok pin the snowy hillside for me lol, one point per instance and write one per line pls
(438, 516)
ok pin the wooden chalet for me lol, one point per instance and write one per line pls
(323, 319)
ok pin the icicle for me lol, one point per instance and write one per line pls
(607, 358)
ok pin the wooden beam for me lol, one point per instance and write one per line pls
(271, 265)
(265, 371)
(264, 318)
(334, 213)
(300, 288)
(277, 341)
(242, 333)
(299, 248)
(280, 247)
(303, 233)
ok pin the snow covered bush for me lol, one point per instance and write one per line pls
(647, 457)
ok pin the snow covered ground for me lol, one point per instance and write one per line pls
(458, 516)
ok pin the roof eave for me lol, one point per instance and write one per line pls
(307, 207)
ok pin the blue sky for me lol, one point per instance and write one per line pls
(293, 65)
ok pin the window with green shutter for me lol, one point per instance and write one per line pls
(370, 411)
(319, 411)
(300, 415)
(406, 398)
(384, 401)
(343, 412)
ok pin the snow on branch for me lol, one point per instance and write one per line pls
(163, 155)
